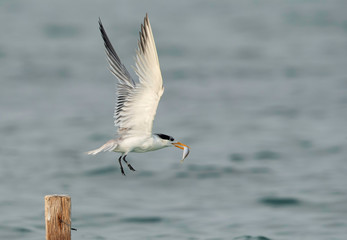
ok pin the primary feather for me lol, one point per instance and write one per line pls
(136, 102)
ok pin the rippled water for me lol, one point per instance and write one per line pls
(258, 89)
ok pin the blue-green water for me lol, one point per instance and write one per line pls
(258, 89)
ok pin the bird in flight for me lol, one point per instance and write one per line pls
(137, 102)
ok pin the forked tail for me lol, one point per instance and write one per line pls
(109, 146)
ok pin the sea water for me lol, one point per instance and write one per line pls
(257, 89)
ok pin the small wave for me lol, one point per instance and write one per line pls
(280, 201)
(237, 157)
(247, 237)
(267, 154)
(150, 219)
(101, 171)
(212, 174)
(260, 170)
(21, 230)
(206, 171)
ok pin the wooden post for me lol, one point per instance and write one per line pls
(57, 217)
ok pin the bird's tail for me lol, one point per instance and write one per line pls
(109, 146)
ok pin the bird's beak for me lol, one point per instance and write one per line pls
(180, 145)
(184, 147)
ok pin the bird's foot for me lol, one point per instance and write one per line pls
(120, 164)
(130, 167)
(122, 170)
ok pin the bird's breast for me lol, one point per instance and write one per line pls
(128, 144)
(144, 147)
(147, 146)
(138, 144)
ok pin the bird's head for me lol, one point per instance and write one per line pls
(168, 141)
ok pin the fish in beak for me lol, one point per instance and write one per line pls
(185, 149)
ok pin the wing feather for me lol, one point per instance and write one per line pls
(136, 103)
(116, 66)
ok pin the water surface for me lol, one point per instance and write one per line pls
(257, 89)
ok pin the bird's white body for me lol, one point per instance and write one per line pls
(136, 102)
(150, 144)
(138, 144)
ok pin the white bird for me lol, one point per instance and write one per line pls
(137, 102)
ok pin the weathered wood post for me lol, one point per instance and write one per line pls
(57, 217)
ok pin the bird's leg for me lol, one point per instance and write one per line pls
(120, 164)
(130, 167)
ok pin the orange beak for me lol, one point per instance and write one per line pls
(184, 147)
(180, 145)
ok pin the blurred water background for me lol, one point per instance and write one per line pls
(257, 89)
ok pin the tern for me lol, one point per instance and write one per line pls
(137, 102)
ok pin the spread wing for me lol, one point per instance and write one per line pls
(136, 103)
